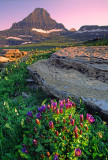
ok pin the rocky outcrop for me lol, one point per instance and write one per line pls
(9, 55)
(13, 53)
(72, 30)
(4, 59)
(58, 77)
(91, 61)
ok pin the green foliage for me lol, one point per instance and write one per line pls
(14, 129)
(64, 143)
(98, 42)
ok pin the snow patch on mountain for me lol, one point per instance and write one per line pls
(25, 36)
(47, 31)
(26, 42)
(16, 38)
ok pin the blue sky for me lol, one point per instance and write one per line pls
(72, 13)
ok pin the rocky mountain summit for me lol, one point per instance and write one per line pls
(36, 27)
(39, 19)
(80, 72)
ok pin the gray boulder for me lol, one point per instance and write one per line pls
(73, 72)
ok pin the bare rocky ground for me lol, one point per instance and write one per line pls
(79, 72)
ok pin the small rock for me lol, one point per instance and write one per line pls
(25, 95)
(30, 80)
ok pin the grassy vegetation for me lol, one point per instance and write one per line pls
(102, 42)
(15, 128)
(60, 42)
(55, 42)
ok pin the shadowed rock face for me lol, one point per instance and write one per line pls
(91, 61)
(61, 77)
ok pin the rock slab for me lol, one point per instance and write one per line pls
(60, 76)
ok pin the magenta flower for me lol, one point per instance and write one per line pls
(48, 107)
(35, 142)
(75, 129)
(81, 118)
(91, 119)
(62, 105)
(28, 120)
(70, 104)
(56, 157)
(52, 101)
(70, 116)
(30, 114)
(72, 122)
(24, 150)
(57, 110)
(61, 110)
(87, 116)
(54, 105)
(67, 105)
(67, 100)
(51, 124)
(38, 115)
(60, 102)
(77, 152)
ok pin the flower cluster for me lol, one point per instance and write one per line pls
(24, 150)
(90, 118)
(42, 108)
(51, 124)
(38, 115)
(56, 123)
(30, 114)
(77, 152)
(56, 157)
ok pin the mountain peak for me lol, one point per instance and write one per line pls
(39, 19)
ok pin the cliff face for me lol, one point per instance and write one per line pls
(39, 19)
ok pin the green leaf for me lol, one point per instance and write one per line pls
(9, 155)
(94, 155)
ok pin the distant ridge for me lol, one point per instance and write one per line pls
(93, 27)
